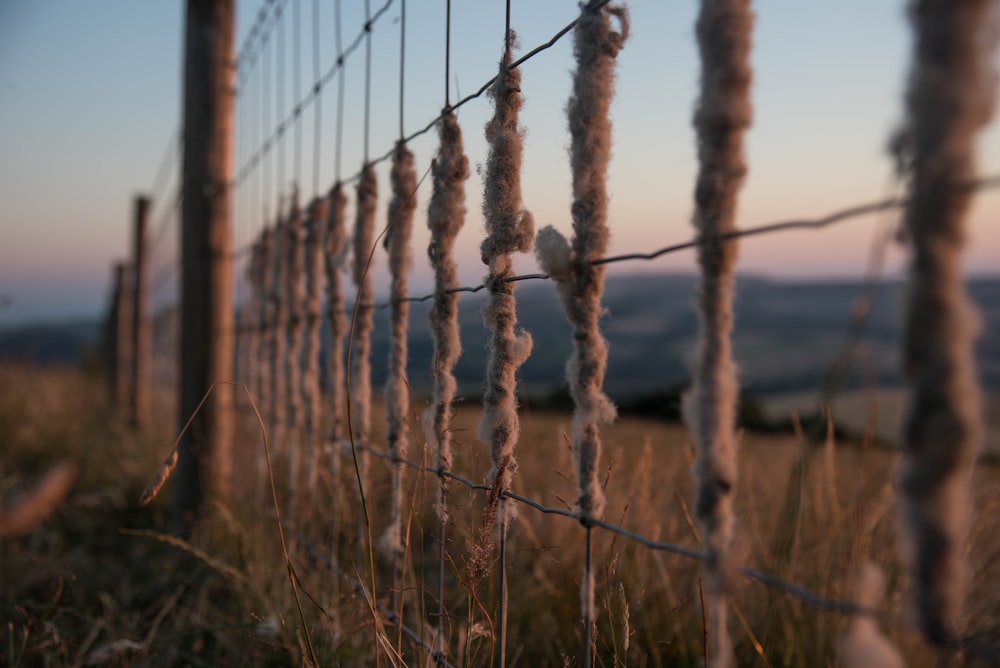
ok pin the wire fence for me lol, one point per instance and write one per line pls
(276, 262)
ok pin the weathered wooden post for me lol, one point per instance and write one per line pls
(140, 401)
(204, 464)
(118, 340)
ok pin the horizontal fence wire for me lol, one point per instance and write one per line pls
(268, 17)
(841, 215)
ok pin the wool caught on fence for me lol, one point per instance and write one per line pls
(397, 399)
(279, 336)
(248, 329)
(579, 282)
(265, 325)
(361, 371)
(722, 116)
(863, 644)
(335, 256)
(950, 97)
(509, 228)
(445, 217)
(314, 318)
(265, 275)
(295, 293)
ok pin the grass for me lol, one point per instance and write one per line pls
(100, 582)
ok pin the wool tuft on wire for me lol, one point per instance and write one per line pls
(579, 282)
(863, 644)
(509, 228)
(335, 255)
(265, 324)
(314, 317)
(279, 336)
(445, 217)
(722, 116)
(397, 404)
(295, 294)
(361, 371)
(949, 99)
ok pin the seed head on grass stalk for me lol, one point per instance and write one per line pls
(397, 243)
(445, 217)
(722, 116)
(950, 97)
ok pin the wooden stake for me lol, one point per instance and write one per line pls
(203, 470)
(140, 401)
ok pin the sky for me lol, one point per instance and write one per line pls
(91, 93)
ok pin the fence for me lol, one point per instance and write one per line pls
(294, 251)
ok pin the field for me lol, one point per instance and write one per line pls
(100, 582)
(880, 412)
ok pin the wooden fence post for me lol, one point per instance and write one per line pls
(118, 340)
(140, 401)
(204, 463)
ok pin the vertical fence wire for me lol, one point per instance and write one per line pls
(284, 311)
(445, 218)
(317, 141)
(398, 233)
(509, 228)
(580, 283)
(341, 73)
(397, 404)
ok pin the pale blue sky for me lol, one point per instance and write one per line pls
(90, 98)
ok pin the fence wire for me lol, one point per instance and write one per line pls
(252, 51)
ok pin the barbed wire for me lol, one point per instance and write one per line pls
(803, 594)
(486, 86)
(256, 38)
(841, 215)
(251, 164)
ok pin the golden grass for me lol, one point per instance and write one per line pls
(78, 588)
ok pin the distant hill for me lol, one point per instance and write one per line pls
(50, 343)
(787, 336)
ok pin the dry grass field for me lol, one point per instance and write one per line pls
(879, 411)
(99, 582)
